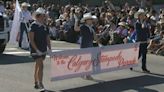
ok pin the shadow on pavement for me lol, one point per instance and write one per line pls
(49, 91)
(135, 83)
(13, 59)
(151, 73)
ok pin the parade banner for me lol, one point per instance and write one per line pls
(76, 63)
(119, 57)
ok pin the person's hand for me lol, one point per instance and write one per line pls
(39, 53)
(125, 40)
(76, 18)
(157, 52)
(143, 25)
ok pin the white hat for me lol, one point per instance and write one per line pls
(161, 16)
(131, 12)
(25, 4)
(40, 11)
(161, 21)
(94, 17)
(122, 24)
(57, 20)
(153, 18)
(87, 16)
(140, 11)
(148, 15)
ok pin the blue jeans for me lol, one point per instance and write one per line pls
(22, 30)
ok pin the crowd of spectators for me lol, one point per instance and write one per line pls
(113, 24)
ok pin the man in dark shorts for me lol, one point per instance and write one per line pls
(39, 41)
(87, 34)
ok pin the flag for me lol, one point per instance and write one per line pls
(16, 24)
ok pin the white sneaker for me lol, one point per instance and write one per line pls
(43, 90)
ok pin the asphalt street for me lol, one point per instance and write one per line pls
(16, 75)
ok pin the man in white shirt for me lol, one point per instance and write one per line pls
(25, 18)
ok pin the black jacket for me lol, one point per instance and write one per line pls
(142, 32)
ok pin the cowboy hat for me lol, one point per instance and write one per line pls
(139, 12)
(58, 21)
(122, 24)
(148, 15)
(109, 14)
(87, 16)
(161, 16)
(153, 18)
(131, 12)
(40, 11)
(24, 4)
(161, 21)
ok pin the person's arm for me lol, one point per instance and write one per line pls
(31, 39)
(30, 17)
(48, 42)
(76, 25)
(138, 29)
(161, 48)
(133, 37)
(21, 19)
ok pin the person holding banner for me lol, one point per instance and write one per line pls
(39, 41)
(25, 18)
(87, 33)
(142, 32)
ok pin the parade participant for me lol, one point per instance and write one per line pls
(25, 18)
(86, 32)
(142, 31)
(39, 41)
